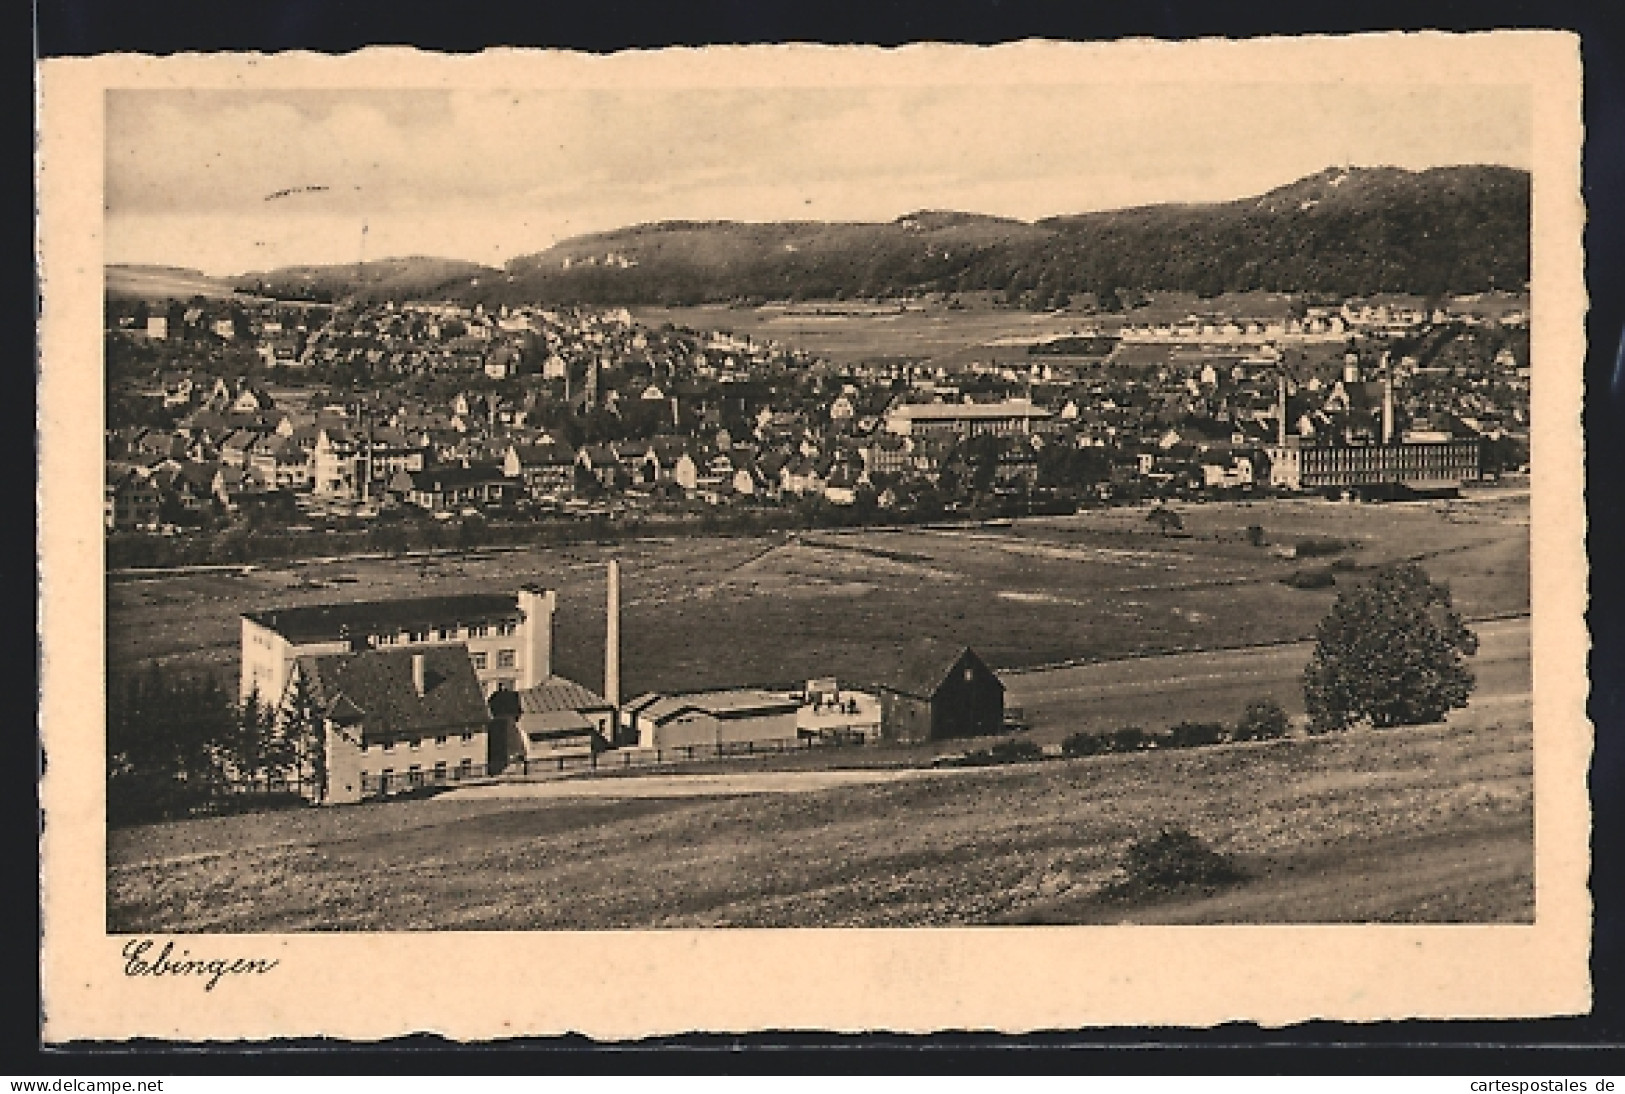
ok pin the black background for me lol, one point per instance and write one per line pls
(1580, 1047)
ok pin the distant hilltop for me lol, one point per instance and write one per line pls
(1344, 231)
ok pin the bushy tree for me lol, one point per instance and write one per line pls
(1165, 518)
(1263, 720)
(1390, 651)
(164, 738)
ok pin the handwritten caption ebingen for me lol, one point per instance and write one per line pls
(166, 963)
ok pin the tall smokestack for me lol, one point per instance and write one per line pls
(1387, 409)
(1280, 429)
(419, 676)
(612, 637)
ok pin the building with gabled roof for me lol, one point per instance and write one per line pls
(394, 720)
(716, 721)
(934, 691)
(554, 721)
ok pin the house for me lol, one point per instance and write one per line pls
(936, 692)
(508, 639)
(555, 720)
(503, 362)
(234, 449)
(443, 489)
(712, 722)
(393, 720)
(131, 500)
(685, 472)
(801, 476)
(545, 468)
(251, 400)
(197, 486)
(602, 463)
(886, 455)
(841, 488)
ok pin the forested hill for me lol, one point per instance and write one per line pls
(1342, 231)
(1350, 232)
(385, 278)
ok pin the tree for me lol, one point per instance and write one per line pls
(1390, 651)
(472, 532)
(164, 740)
(1165, 518)
(303, 724)
(250, 750)
(388, 536)
(1263, 720)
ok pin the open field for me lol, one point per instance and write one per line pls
(1215, 686)
(850, 331)
(1430, 824)
(712, 612)
(847, 337)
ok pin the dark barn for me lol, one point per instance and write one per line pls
(940, 692)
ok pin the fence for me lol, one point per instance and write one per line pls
(622, 758)
(397, 782)
(275, 783)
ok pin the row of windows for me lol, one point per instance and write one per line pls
(448, 633)
(415, 743)
(505, 659)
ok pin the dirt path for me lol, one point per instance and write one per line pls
(699, 786)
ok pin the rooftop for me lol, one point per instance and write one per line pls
(942, 412)
(919, 667)
(736, 703)
(326, 622)
(552, 695)
(374, 689)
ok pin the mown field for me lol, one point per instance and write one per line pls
(1430, 824)
(849, 332)
(710, 612)
(846, 338)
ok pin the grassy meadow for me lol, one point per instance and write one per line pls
(1429, 824)
(719, 611)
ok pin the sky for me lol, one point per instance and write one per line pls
(229, 181)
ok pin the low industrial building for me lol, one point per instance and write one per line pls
(714, 721)
(964, 420)
(394, 720)
(938, 692)
(554, 722)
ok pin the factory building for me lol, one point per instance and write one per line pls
(556, 720)
(719, 721)
(1391, 465)
(1423, 465)
(508, 638)
(1002, 419)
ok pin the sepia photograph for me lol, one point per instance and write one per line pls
(942, 497)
